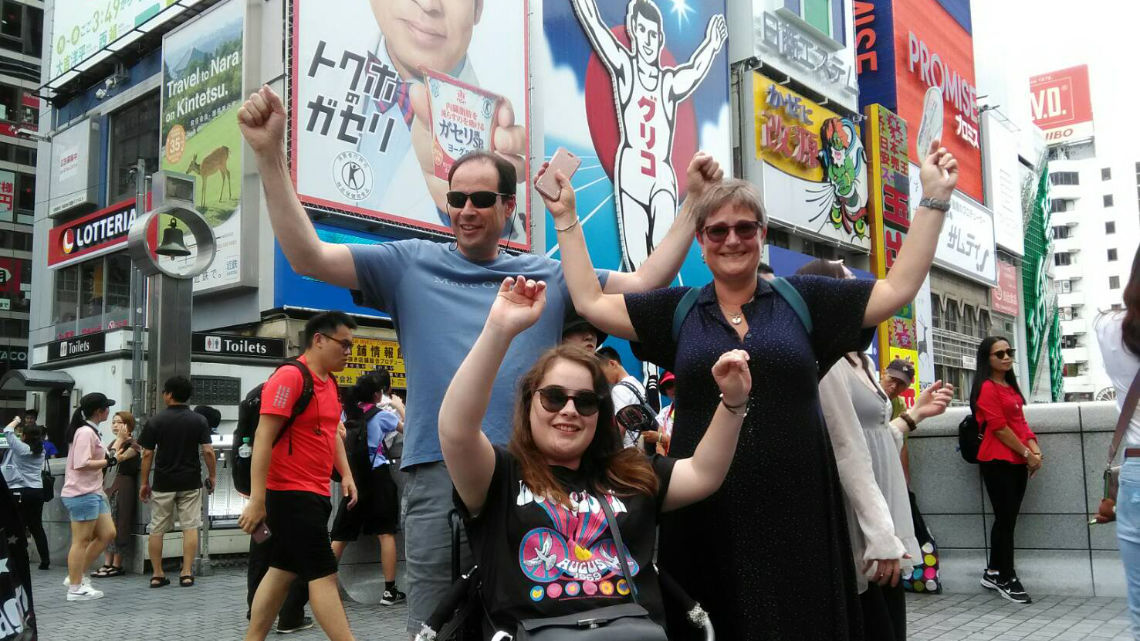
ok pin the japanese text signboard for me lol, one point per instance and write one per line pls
(370, 354)
(380, 93)
(1062, 105)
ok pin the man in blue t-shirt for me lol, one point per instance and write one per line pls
(438, 295)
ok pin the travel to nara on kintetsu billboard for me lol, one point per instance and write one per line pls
(384, 96)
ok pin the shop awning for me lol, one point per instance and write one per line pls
(22, 380)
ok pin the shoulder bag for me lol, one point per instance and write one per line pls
(624, 622)
(48, 481)
(1106, 512)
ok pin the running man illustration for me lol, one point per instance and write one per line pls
(646, 96)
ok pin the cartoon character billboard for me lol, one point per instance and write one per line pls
(384, 94)
(635, 109)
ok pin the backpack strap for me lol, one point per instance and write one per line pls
(683, 309)
(1131, 399)
(368, 416)
(790, 294)
(302, 402)
(631, 387)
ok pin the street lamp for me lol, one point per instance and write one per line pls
(170, 267)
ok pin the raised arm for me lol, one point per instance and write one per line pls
(687, 77)
(939, 175)
(14, 442)
(611, 52)
(663, 264)
(262, 123)
(467, 451)
(697, 477)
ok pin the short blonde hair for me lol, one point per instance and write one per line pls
(736, 192)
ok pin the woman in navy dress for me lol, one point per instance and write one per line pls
(768, 555)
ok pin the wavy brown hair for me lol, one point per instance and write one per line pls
(606, 465)
(128, 420)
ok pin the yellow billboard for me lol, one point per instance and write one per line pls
(370, 354)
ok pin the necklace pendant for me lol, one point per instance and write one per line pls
(737, 319)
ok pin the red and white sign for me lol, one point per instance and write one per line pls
(10, 275)
(1062, 105)
(93, 235)
(1003, 298)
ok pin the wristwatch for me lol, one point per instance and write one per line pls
(905, 416)
(934, 203)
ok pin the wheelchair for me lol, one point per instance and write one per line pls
(460, 614)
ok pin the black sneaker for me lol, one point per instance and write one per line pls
(392, 597)
(1011, 590)
(990, 580)
(305, 624)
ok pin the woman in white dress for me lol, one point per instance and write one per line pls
(867, 444)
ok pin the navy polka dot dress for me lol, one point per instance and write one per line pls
(768, 555)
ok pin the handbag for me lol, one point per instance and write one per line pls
(48, 482)
(1106, 511)
(624, 622)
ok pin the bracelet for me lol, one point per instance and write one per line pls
(909, 421)
(570, 226)
(735, 409)
(934, 203)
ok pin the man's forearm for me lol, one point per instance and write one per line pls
(144, 471)
(211, 464)
(341, 461)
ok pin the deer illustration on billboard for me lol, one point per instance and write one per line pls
(213, 163)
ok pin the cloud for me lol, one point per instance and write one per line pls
(564, 107)
(716, 139)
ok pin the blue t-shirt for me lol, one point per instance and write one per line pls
(382, 424)
(438, 300)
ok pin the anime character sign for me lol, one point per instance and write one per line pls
(844, 193)
(648, 90)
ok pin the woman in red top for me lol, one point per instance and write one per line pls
(1008, 456)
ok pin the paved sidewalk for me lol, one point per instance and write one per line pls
(215, 609)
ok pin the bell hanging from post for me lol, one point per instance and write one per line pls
(172, 243)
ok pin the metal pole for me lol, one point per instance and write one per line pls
(138, 296)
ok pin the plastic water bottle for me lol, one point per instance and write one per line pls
(246, 450)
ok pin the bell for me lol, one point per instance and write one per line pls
(172, 243)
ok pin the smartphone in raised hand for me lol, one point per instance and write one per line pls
(563, 161)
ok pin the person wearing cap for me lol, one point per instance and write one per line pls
(895, 380)
(578, 331)
(91, 526)
(667, 386)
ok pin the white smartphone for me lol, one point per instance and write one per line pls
(563, 161)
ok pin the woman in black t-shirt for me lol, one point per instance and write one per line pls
(122, 492)
(533, 510)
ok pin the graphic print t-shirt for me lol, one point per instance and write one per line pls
(540, 559)
(303, 458)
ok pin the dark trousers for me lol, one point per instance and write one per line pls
(884, 613)
(1005, 483)
(293, 610)
(31, 504)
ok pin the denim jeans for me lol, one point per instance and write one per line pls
(1128, 534)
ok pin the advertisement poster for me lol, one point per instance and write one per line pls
(83, 27)
(1003, 182)
(635, 113)
(201, 95)
(1004, 298)
(7, 195)
(1062, 105)
(384, 95)
(966, 243)
(815, 167)
(371, 354)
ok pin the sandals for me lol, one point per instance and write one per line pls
(186, 580)
(104, 572)
(159, 581)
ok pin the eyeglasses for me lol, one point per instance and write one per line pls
(1002, 352)
(481, 199)
(345, 344)
(745, 230)
(554, 398)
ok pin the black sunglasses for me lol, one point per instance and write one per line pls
(345, 344)
(481, 199)
(554, 398)
(745, 230)
(1002, 352)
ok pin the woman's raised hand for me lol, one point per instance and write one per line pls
(563, 209)
(933, 400)
(939, 172)
(519, 304)
(733, 377)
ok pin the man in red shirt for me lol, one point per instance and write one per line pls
(290, 480)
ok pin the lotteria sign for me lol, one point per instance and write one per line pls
(906, 47)
(93, 235)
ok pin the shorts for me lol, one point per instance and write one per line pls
(377, 510)
(298, 533)
(427, 501)
(86, 507)
(162, 504)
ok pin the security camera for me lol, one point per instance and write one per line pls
(101, 93)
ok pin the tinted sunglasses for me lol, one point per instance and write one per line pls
(554, 398)
(745, 230)
(1002, 352)
(481, 199)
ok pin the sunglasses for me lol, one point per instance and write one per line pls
(346, 345)
(1002, 352)
(554, 398)
(745, 230)
(480, 199)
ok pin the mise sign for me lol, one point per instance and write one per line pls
(247, 346)
(93, 235)
(75, 347)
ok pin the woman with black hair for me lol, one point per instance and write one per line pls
(1008, 456)
(91, 526)
(1119, 336)
(22, 465)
